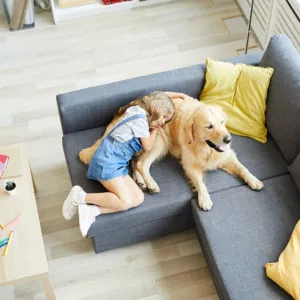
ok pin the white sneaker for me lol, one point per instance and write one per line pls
(70, 206)
(87, 216)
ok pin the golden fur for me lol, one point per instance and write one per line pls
(185, 138)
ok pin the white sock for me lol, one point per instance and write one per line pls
(81, 198)
(95, 210)
(87, 216)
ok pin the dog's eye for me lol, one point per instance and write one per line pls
(210, 126)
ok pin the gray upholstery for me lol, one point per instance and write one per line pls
(94, 107)
(145, 231)
(263, 160)
(283, 104)
(294, 170)
(244, 230)
(249, 59)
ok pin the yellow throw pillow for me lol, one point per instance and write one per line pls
(241, 91)
(286, 272)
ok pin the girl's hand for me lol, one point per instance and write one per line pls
(173, 95)
(157, 126)
(148, 142)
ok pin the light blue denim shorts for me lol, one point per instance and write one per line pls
(112, 158)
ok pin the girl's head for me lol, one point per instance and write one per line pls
(159, 107)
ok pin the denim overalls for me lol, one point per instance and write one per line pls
(112, 157)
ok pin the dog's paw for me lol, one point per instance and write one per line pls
(139, 180)
(142, 186)
(255, 184)
(153, 188)
(205, 202)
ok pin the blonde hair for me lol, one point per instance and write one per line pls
(155, 104)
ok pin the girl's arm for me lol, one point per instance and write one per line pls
(173, 95)
(148, 142)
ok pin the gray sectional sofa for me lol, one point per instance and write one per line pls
(245, 229)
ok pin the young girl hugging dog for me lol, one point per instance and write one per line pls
(135, 130)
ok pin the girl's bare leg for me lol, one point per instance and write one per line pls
(123, 194)
(138, 195)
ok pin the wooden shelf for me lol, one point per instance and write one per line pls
(63, 14)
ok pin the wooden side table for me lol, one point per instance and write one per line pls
(26, 257)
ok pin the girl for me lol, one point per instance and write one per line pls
(135, 130)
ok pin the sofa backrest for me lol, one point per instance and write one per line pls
(94, 107)
(283, 103)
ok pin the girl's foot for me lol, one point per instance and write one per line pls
(70, 206)
(87, 216)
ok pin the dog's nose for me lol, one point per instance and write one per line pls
(227, 139)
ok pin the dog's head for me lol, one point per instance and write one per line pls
(207, 124)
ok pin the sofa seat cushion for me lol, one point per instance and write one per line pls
(244, 230)
(263, 160)
(174, 198)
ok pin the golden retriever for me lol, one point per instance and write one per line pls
(197, 136)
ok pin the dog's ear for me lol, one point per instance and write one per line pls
(189, 131)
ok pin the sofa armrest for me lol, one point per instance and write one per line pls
(94, 107)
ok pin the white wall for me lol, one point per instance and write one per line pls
(272, 17)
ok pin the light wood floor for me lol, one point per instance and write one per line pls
(37, 64)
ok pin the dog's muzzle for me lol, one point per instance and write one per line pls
(220, 148)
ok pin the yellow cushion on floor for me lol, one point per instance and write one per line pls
(286, 272)
(241, 91)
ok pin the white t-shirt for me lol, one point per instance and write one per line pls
(135, 128)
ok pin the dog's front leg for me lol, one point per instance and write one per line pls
(146, 159)
(143, 168)
(233, 166)
(196, 177)
(195, 174)
(137, 176)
